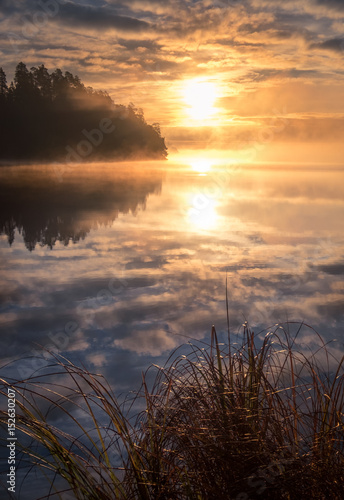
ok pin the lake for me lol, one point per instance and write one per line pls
(115, 265)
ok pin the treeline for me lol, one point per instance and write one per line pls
(54, 116)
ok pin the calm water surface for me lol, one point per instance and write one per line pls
(117, 264)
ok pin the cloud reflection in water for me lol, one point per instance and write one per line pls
(143, 277)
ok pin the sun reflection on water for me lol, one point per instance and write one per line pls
(203, 215)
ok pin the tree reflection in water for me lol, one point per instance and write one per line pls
(44, 210)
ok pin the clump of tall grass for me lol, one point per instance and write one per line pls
(261, 419)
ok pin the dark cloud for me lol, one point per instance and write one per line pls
(230, 42)
(302, 73)
(30, 331)
(7, 7)
(264, 283)
(258, 75)
(333, 44)
(284, 25)
(332, 4)
(336, 269)
(273, 28)
(99, 18)
(136, 44)
(240, 267)
(96, 16)
(88, 288)
(143, 264)
(264, 74)
(332, 310)
(4, 5)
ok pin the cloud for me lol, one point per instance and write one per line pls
(282, 27)
(153, 341)
(335, 269)
(142, 263)
(333, 44)
(332, 310)
(332, 4)
(99, 18)
(134, 44)
(8, 7)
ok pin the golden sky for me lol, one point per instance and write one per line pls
(238, 75)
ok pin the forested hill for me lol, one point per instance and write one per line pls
(54, 117)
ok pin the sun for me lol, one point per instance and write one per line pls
(200, 97)
(201, 166)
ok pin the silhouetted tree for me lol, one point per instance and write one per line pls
(25, 88)
(44, 115)
(74, 81)
(3, 85)
(59, 83)
(42, 81)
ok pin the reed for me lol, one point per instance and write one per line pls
(261, 419)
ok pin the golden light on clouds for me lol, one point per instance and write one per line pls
(215, 75)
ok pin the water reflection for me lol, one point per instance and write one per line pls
(137, 288)
(203, 216)
(45, 209)
(130, 291)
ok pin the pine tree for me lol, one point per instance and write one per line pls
(42, 81)
(3, 86)
(24, 86)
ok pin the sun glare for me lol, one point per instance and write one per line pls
(203, 219)
(202, 214)
(200, 98)
(201, 166)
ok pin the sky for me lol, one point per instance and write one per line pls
(258, 77)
